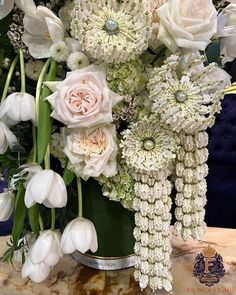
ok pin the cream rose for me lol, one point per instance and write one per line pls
(83, 99)
(92, 151)
(187, 24)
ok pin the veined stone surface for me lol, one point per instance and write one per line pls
(70, 278)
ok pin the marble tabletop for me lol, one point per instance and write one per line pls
(70, 278)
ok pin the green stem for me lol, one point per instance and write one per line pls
(80, 197)
(22, 71)
(39, 84)
(9, 77)
(47, 158)
(34, 156)
(41, 223)
(53, 222)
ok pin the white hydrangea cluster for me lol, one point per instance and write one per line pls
(112, 31)
(186, 99)
(191, 186)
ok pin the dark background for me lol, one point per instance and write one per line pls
(221, 206)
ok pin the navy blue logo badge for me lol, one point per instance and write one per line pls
(208, 267)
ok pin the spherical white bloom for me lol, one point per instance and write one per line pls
(18, 107)
(187, 24)
(41, 29)
(65, 14)
(227, 30)
(47, 248)
(33, 69)
(48, 188)
(59, 51)
(111, 31)
(7, 138)
(6, 205)
(36, 272)
(92, 151)
(186, 101)
(83, 99)
(147, 148)
(80, 234)
(6, 7)
(27, 171)
(77, 60)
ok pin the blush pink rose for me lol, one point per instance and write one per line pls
(83, 99)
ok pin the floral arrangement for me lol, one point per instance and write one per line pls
(120, 91)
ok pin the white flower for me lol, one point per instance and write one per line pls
(27, 171)
(59, 51)
(77, 60)
(7, 138)
(36, 272)
(33, 69)
(47, 248)
(80, 234)
(227, 30)
(83, 99)
(187, 24)
(6, 7)
(18, 107)
(41, 29)
(48, 188)
(92, 151)
(6, 205)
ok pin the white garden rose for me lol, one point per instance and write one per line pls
(187, 24)
(92, 151)
(83, 99)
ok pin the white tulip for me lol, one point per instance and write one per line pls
(42, 28)
(27, 171)
(6, 7)
(18, 107)
(48, 188)
(80, 234)
(36, 272)
(7, 138)
(6, 205)
(47, 248)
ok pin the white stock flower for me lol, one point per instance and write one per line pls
(83, 99)
(42, 28)
(18, 107)
(48, 188)
(227, 30)
(47, 248)
(92, 151)
(7, 138)
(187, 24)
(6, 205)
(80, 234)
(6, 7)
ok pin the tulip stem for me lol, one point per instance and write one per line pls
(53, 222)
(22, 71)
(9, 77)
(80, 197)
(41, 223)
(47, 158)
(39, 85)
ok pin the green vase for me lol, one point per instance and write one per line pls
(114, 225)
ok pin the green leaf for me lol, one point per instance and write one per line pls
(33, 213)
(19, 215)
(44, 119)
(68, 176)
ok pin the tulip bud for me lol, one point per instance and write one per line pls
(6, 205)
(7, 138)
(5, 8)
(36, 272)
(18, 107)
(80, 234)
(48, 188)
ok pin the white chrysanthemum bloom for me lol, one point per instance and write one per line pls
(77, 60)
(147, 148)
(33, 69)
(59, 51)
(111, 31)
(185, 99)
